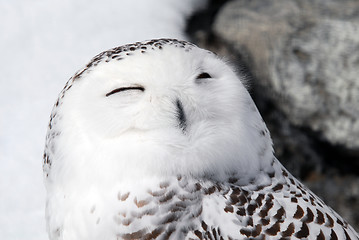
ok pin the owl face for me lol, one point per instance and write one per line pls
(167, 109)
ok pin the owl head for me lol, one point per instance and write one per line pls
(158, 107)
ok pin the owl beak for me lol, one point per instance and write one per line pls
(181, 116)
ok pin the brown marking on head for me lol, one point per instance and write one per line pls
(157, 193)
(164, 184)
(168, 196)
(127, 221)
(140, 203)
(123, 197)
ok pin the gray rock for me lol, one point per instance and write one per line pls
(306, 55)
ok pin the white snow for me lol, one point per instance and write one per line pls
(42, 44)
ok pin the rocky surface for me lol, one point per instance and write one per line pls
(304, 52)
(302, 59)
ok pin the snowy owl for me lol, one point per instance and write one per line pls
(161, 140)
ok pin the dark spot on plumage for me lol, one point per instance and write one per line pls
(204, 226)
(169, 232)
(292, 181)
(250, 221)
(298, 195)
(132, 48)
(242, 199)
(252, 180)
(140, 203)
(126, 221)
(123, 197)
(246, 231)
(260, 187)
(172, 217)
(229, 209)
(135, 235)
(198, 234)
(333, 235)
(267, 206)
(330, 222)
(232, 180)
(303, 232)
(320, 217)
(280, 213)
(214, 232)
(241, 211)
(284, 172)
(340, 222)
(271, 174)
(197, 187)
(289, 231)
(309, 217)
(210, 190)
(262, 132)
(168, 196)
(157, 193)
(347, 237)
(273, 230)
(257, 230)
(197, 212)
(154, 234)
(234, 199)
(265, 221)
(259, 199)
(312, 201)
(251, 208)
(320, 236)
(278, 187)
(235, 191)
(299, 213)
(164, 184)
(294, 200)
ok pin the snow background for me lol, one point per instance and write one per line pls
(42, 43)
